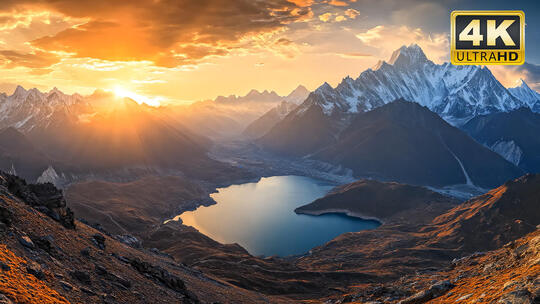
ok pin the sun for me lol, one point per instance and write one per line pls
(122, 92)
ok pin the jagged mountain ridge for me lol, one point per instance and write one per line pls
(99, 135)
(31, 109)
(525, 93)
(298, 95)
(456, 93)
(228, 117)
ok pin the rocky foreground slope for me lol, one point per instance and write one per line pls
(48, 257)
(509, 275)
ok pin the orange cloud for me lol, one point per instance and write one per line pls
(37, 59)
(338, 3)
(352, 13)
(302, 3)
(168, 33)
(325, 17)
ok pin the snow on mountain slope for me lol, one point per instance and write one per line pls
(29, 109)
(525, 93)
(509, 150)
(456, 93)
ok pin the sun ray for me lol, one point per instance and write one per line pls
(122, 92)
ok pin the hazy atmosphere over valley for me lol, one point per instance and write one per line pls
(270, 151)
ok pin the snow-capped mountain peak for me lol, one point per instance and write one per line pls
(378, 65)
(20, 92)
(298, 95)
(407, 56)
(523, 92)
(27, 109)
(456, 93)
(324, 88)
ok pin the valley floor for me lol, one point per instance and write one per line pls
(353, 267)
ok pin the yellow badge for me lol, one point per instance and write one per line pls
(487, 37)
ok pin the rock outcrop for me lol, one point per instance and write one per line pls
(44, 197)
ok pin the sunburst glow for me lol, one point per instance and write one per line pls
(124, 93)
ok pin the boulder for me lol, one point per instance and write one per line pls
(34, 269)
(99, 241)
(26, 242)
(81, 276)
(44, 197)
(434, 291)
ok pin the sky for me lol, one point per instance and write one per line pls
(180, 51)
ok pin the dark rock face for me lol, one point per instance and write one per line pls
(46, 243)
(44, 197)
(26, 242)
(81, 276)
(157, 273)
(116, 279)
(5, 300)
(432, 292)
(34, 269)
(6, 216)
(99, 241)
(130, 240)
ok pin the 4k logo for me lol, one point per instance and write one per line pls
(487, 37)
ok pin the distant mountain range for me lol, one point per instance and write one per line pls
(228, 117)
(456, 93)
(94, 135)
(297, 96)
(268, 120)
(401, 142)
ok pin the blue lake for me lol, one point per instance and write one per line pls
(260, 216)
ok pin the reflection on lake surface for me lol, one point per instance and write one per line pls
(260, 216)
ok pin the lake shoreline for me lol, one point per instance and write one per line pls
(339, 211)
(260, 217)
